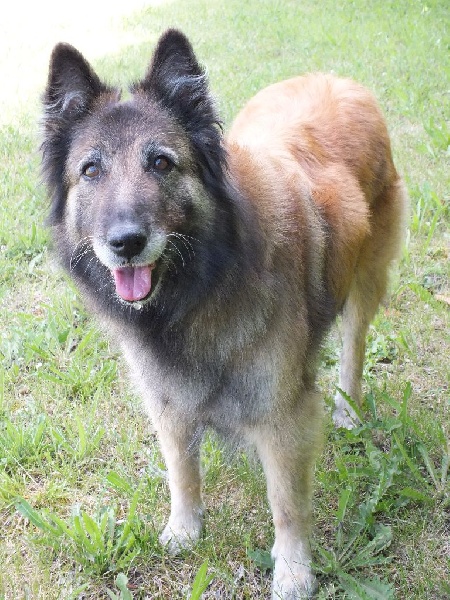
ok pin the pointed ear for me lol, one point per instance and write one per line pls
(71, 87)
(179, 82)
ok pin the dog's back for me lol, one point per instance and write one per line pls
(321, 137)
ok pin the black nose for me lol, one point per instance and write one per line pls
(126, 240)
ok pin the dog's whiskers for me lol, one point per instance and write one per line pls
(171, 265)
(185, 241)
(90, 261)
(178, 251)
(83, 247)
(74, 263)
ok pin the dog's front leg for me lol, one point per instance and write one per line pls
(180, 448)
(287, 449)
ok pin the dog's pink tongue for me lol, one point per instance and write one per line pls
(133, 283)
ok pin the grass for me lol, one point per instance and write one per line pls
(83, 493)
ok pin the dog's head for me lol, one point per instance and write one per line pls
(132, 182)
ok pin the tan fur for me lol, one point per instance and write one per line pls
(325, 137)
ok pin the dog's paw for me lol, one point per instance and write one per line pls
(345, 417)
(292, 577)
(294, 586)
(180, 535)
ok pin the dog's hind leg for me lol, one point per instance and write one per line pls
(287, 447)
(366, 293)
(359, 309)
(180, 448)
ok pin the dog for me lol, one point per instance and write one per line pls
(219, 264)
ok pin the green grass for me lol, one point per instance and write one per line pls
(82, 488)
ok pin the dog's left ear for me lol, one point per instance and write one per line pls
(178, 82)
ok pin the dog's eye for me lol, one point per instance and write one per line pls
(163, 164)
(91, 171)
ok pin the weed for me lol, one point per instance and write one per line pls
(381, 348)
(439, 137)
(374, 461)
(122, 583)
(429, 212)
(86, 441)
(101, 544)
(20, 442)
(201, 582)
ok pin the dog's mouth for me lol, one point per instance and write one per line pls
(133, 284)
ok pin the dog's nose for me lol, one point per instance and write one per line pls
(126, 240)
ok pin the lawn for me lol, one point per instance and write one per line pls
(83, 493)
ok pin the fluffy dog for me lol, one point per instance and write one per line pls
(219, 265)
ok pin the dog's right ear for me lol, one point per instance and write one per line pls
(71, 88)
